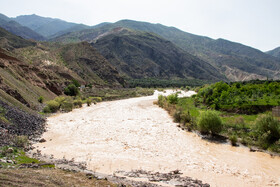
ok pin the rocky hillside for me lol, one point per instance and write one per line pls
(90, 65)
(234, 60)
(48, 27)
(275, 52)
(30, 69)
(138, 54)
(17, 29)
(15, 122)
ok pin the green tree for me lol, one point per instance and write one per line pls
(71, 90)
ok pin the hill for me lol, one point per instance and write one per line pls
(275, 52)
(236, 61)
(31, 69)
(18, 29)
(138, 54)
(48, 27)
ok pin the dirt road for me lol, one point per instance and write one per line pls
(135, 134)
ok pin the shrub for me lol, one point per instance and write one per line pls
(78, 103)
(76, 83)
(41, 99)
(67, 104)
(161, 100)
(210, 122)
(21, 141)
(96, 99)
(233, 140)
(71, 90)
(53, 106)
(267, 129)
(172, 99)
(177, 115)
(60, 99)
(89, 101)
(185, 117)
(46, 109)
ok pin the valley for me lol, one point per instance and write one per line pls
(133, 134)
(88, 97)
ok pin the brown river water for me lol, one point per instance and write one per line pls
(131, 134)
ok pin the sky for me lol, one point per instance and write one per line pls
(255, 23)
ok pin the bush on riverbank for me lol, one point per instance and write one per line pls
(210, 122)
(241, 97)
(267, 130)
(263, 133)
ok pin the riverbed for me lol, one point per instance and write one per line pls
(134, 133)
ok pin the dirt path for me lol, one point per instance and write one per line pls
(135, 134)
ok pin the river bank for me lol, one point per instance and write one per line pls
(134, 134)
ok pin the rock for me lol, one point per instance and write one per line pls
(42, 140)
(10, 162)
(10, 150)
(3, 161)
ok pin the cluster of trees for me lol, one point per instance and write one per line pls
(222, 95)
(164, 83)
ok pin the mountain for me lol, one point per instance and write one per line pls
(18, 29)
(236, 61)
(32, 69)
(275, 52)
(10, 41)
(138, 54)
(48, 27)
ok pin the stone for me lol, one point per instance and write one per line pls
(42, 140)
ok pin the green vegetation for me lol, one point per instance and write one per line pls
(258, 130)
(17, 157)
(71, 90)
(165, 83)
(245, 97)
(210, 122)
(41, 99)
(268, 132)
(52, 107)
(113, 94)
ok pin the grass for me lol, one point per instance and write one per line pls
(236, 127)
(48, 177)
(18, 157)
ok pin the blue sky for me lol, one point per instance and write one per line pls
(254, 23)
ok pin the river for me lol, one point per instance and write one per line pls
(136, 134)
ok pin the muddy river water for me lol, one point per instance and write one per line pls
(135, 134)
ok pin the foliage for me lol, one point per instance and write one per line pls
(245, 97)
(67, 104)
(252, 130)
(233, 140)
(165, 83)
(41, 99)
(89, 101)
(71, 90)
(76, 83)
(96, 99)
(210, 122)
(52, 106)
(78, 103)
(21, 141)
(172, 99)
(267, 130)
